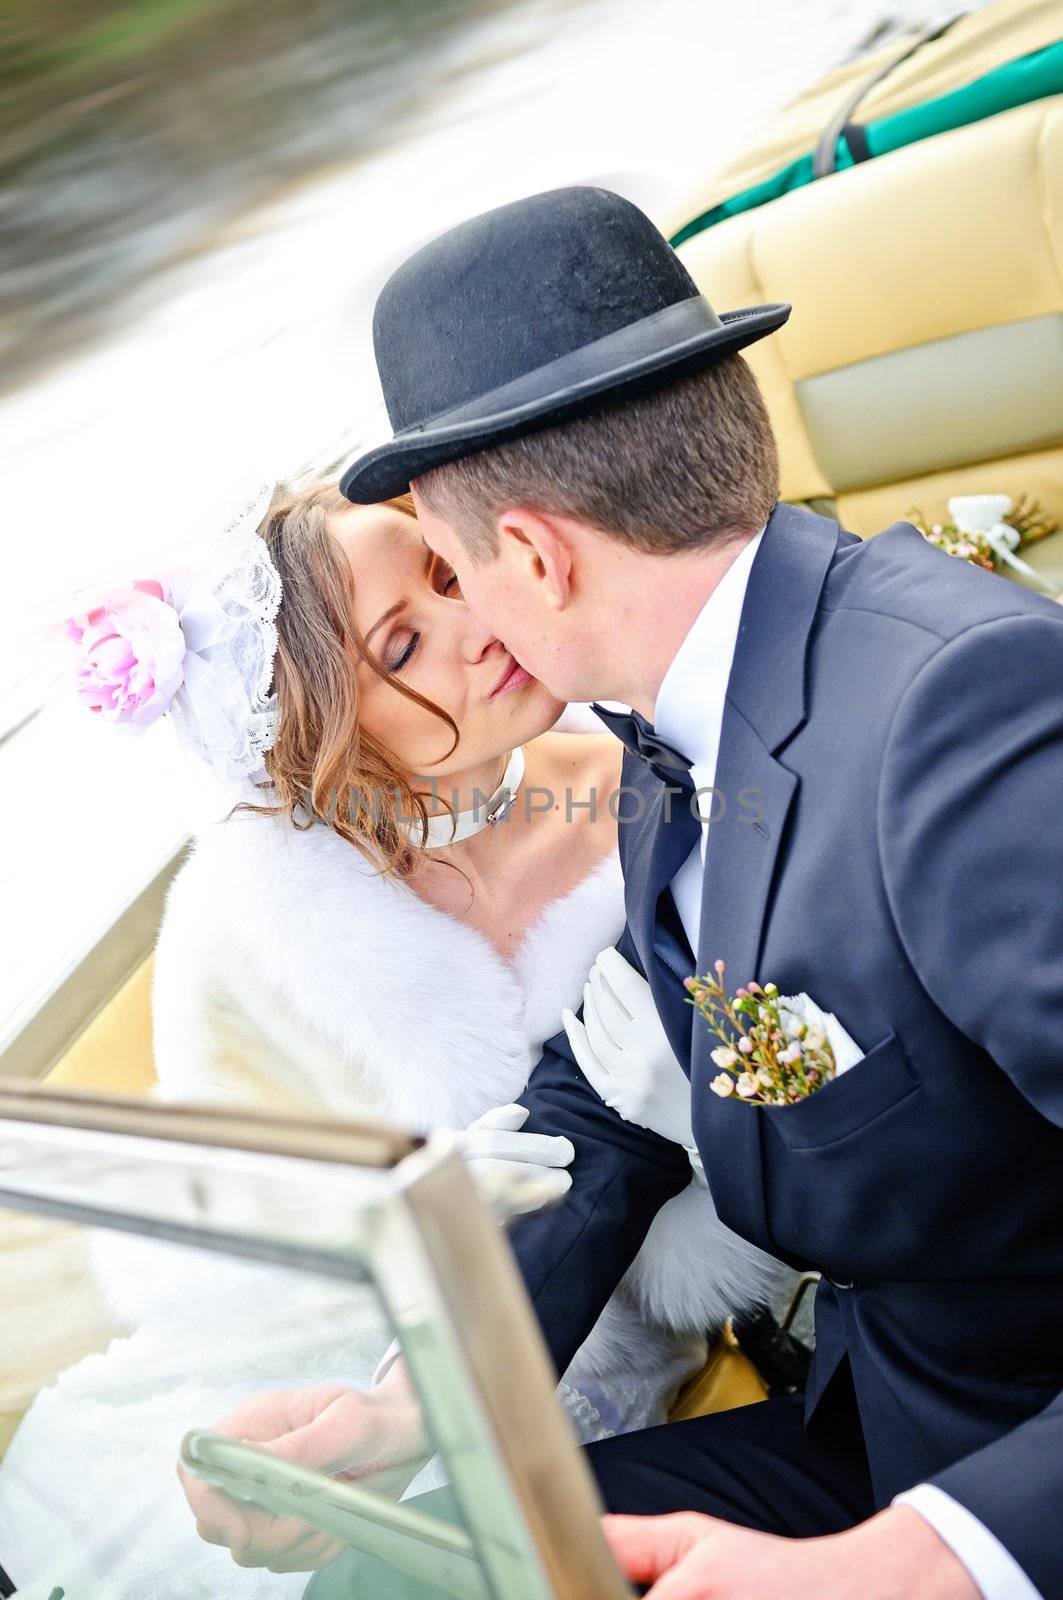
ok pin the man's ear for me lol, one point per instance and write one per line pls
(540, 548)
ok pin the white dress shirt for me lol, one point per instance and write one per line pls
(689, 715)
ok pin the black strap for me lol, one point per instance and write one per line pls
(7, 1588)
(782, 1361)
(855, 136)
(826, 154)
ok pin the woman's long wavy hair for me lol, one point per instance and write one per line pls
(323, 765)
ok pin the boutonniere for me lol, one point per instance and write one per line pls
(774, 1049)
(987, 530)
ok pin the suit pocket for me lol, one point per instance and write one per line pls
(874, 1086)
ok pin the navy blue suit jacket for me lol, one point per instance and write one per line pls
(892, 768)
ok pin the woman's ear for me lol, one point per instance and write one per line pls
(539, 551)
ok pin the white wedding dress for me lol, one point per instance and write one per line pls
(288, 972)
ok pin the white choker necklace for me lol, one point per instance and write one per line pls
(446, 829)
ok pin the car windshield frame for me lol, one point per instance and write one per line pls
(363, 1203)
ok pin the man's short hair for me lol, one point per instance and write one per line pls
(678, 468)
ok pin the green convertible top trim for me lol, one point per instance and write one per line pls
(1016, 83)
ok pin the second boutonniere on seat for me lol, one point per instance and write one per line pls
(774, 1049)
(987, 530)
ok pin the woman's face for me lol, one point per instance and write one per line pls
(409, 610)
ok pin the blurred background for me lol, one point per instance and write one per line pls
(200, 200)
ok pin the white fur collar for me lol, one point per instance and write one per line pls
(417, 1006)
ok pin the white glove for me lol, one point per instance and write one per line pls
(489, 1147)
(492, 1143)
(623, 1052)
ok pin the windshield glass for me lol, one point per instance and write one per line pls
(203, 1422)
(119, 1346)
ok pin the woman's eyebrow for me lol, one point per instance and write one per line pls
(392, 611)
(400, 605)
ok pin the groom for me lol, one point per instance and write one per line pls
(883, 730)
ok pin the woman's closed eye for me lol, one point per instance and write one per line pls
(396, 663)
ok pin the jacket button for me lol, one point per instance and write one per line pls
(838, 1283)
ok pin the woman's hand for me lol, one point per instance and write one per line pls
(494, 1143)
(623, 1051)
(340, 1431)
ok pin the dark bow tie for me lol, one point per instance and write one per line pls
(638, 736)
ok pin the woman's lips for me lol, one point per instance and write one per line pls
(514, 678)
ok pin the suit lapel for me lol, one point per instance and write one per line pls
(765, 706)
(741, 852)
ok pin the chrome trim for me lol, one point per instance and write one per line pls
(421, 1546)
(244, 1128)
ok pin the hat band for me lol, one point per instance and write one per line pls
(686, 319)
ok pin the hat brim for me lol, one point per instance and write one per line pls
(387, 469)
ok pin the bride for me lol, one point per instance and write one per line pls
(356, 936)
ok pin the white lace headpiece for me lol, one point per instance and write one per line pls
(199, 644)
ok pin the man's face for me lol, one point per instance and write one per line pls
(503, 595)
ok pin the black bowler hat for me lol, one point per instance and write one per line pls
(527, 315)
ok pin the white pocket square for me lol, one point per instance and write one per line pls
(803, 1010)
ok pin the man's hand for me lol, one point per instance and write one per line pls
(340, 1431)
(894, 1556)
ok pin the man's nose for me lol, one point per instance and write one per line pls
(477, 640)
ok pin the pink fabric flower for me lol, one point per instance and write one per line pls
(129, 649)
